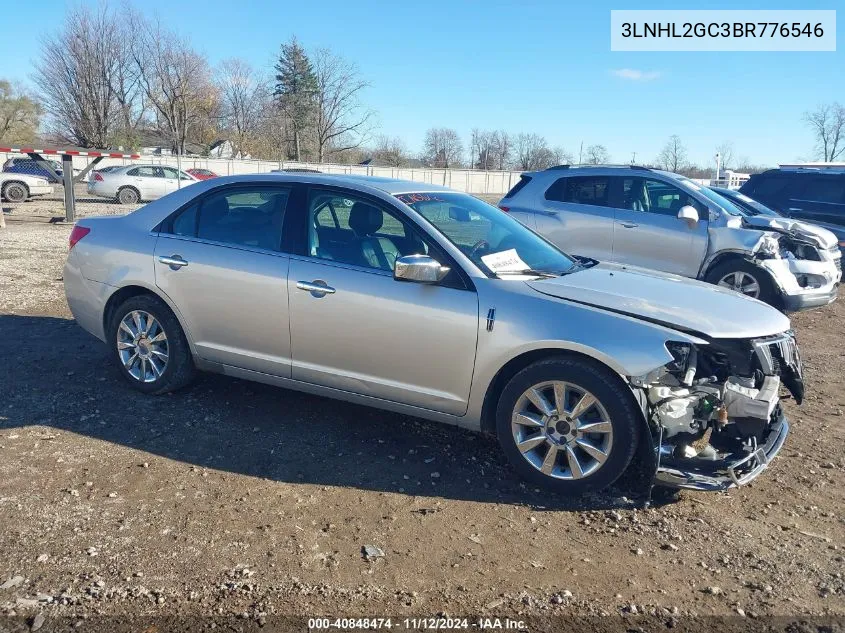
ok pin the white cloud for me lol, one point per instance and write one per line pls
(632, 74)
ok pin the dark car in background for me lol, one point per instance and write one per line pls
(811, 194)
(32, 168)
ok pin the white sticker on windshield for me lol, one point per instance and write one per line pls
(504, 261)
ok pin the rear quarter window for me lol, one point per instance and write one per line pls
(523, 180)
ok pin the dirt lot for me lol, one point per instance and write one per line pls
(245, 502)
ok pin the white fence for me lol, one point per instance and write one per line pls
(468, 180)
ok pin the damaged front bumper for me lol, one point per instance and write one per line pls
(804, 284)
(714, 476)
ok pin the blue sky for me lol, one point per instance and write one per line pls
(543, 67)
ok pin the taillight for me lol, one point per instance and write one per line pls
(505, 209)
(77, 234)
(98, 176)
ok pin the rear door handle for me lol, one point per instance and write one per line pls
(174, 261)
(317, 288)
(629, 225)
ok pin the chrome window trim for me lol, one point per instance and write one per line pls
(240, 247)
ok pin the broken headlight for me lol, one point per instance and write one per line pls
(768, 247)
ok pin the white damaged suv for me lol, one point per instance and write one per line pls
(664, 221)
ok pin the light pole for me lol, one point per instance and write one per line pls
(718, 167)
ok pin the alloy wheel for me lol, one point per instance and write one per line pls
(741, 282)
(142, 346)
(562, 430)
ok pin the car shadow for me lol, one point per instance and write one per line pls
(53, 373)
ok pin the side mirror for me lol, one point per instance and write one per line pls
(420, 268)
(690, 214)
(458, 214)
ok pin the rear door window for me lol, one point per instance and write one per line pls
(829, 189)
(590, 190)
(245, 216)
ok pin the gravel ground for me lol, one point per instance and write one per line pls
(235, 503)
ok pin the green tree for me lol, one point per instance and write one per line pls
(296, 88)
(19, 115)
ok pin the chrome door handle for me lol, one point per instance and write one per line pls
(795, 209)
(174, 261)
(629, 225)
(317, 288)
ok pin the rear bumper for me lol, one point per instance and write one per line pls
(85, 298)
(739, 472)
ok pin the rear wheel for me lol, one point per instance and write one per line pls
(568, 425)
(15, 192)
(745, 278)
(128, 195)
(149, 346)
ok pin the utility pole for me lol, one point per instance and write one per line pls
(633, 158)
(580, 152)
(718, 167)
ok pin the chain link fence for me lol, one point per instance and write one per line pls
(117, 185)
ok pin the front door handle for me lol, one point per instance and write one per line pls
(629, 225)
(317, 288)
(174, 261)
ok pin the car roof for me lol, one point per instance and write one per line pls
(559, 171)
(390, 186)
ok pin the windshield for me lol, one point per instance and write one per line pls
(722, 201)
(494, 241)
(752, 207)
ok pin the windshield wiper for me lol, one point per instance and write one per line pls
(527, 271)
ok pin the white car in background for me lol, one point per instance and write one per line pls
(136, 183)
(20, 187)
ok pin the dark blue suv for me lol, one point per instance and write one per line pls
(32, 168)
(811, 194)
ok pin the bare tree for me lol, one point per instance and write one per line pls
(243, 98)
(502, 147)
(827, 123)
(442, 147)
(532, 152)
(596, 155)
(19, 114)
(673, 156)
(176, 80)
(78, 80)
(562, 157)
(726, 154)
(390, 151)
(341, 122)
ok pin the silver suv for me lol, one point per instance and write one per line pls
(664, 221)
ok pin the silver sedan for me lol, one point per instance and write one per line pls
(424, 301)
(132, 184)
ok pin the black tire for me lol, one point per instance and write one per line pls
(616, 400)
(15, 192)
(179, 369)
(768, 292)
(128, 195)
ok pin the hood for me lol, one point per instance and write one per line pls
(818, 235)
(677, 302)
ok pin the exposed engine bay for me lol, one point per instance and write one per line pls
(714, 410)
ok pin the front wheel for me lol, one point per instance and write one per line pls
(568, 425)
(745, 278)
(149, 346)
